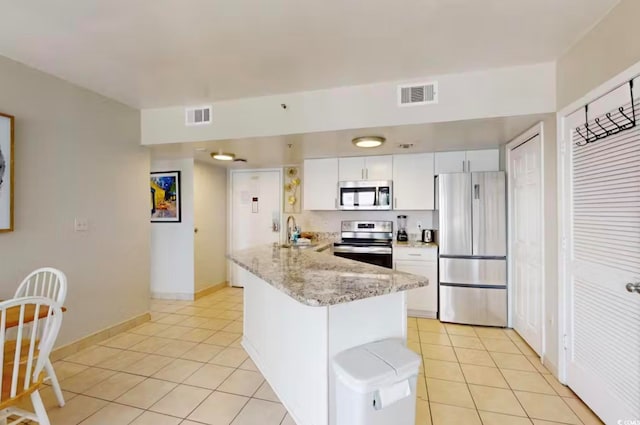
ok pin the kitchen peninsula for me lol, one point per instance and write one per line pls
(302, 306)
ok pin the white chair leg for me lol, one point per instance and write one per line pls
(38, 408)
(54, 382)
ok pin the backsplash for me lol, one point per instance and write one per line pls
(329, 221)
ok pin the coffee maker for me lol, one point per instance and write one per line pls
(402, 235)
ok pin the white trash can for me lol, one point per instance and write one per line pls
(376, 384)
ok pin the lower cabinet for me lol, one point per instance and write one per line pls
(421, 302)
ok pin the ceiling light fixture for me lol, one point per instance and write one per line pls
(368, 141)
(222, 156)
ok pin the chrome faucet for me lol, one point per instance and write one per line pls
(290, 229)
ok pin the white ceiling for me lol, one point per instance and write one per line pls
(152, 53)
(275, 151)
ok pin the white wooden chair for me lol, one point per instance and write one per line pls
(49, 283)
(36, 322)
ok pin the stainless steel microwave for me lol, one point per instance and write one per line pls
(365, 195)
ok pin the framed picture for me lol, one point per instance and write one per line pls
(6, 173)
(165, 197)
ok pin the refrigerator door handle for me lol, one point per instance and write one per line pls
(476, 191)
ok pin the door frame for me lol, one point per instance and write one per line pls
(564, 206)
(536, 130)
(230, 174)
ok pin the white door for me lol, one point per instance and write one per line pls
(483, 160)
(525, 216)
(350, 169)
(603, 346)
(256, 209)
(450, 162)
(320, 184)
(379, 167)
(413, 182)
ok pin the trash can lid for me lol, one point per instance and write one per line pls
(393, 352)
(368, 367)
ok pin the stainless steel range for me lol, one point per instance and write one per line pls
(366, 241)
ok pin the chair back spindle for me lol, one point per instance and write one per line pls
(34, 334)
(45, 282)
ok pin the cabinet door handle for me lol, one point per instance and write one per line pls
(336, 203)
(362, 173)
(366, 173)
(464, 166)
(395, 203)
(415, 255)
(468, 165)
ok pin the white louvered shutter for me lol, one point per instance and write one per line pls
(604, 334)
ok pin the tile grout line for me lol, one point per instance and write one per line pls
(465, 380)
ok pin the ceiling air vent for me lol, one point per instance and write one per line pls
(200, 115)
(418, 94)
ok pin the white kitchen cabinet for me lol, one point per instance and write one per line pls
(467, 161)
(483, 160)
(413, 182)
(450, 162)
(421, 302)
(351, 168)
(366, 168)
(379, 167)
(320, 184)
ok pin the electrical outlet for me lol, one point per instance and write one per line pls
(81, 224)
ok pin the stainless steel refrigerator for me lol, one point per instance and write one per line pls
(473, 248)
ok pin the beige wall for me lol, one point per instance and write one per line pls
(608, 49)
(77, 154)
(551, 355)
(210, 211)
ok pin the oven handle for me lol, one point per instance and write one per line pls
(362, 250)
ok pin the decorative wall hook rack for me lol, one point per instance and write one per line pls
(612, 123)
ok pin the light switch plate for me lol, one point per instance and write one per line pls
(81, 224)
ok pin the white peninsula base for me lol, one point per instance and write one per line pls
(292, 343)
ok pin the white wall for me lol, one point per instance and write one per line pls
(172, 244)
(552, 353)
(210, 212)
(608, 49)
(521, 90)
(77, 154)
(329, 221)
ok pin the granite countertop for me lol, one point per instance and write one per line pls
(318, 278)
(414, 244)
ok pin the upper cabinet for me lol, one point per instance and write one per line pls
(412, 175)
(467, 161)
(366, 168)
(413, 182)
(320, 184)
(483, 160)
(450, 162)
(379, 167)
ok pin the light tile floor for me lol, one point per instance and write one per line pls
(187, 367)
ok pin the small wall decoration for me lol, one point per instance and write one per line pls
(6, 172)
(165, 197)
(292, 190)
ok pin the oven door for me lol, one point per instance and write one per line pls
(379, 256)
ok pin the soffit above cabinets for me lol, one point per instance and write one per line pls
(293, 149)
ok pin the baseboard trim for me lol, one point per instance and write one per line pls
(210, 290)
(96, 337)
(180, 296)
(422, 314)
